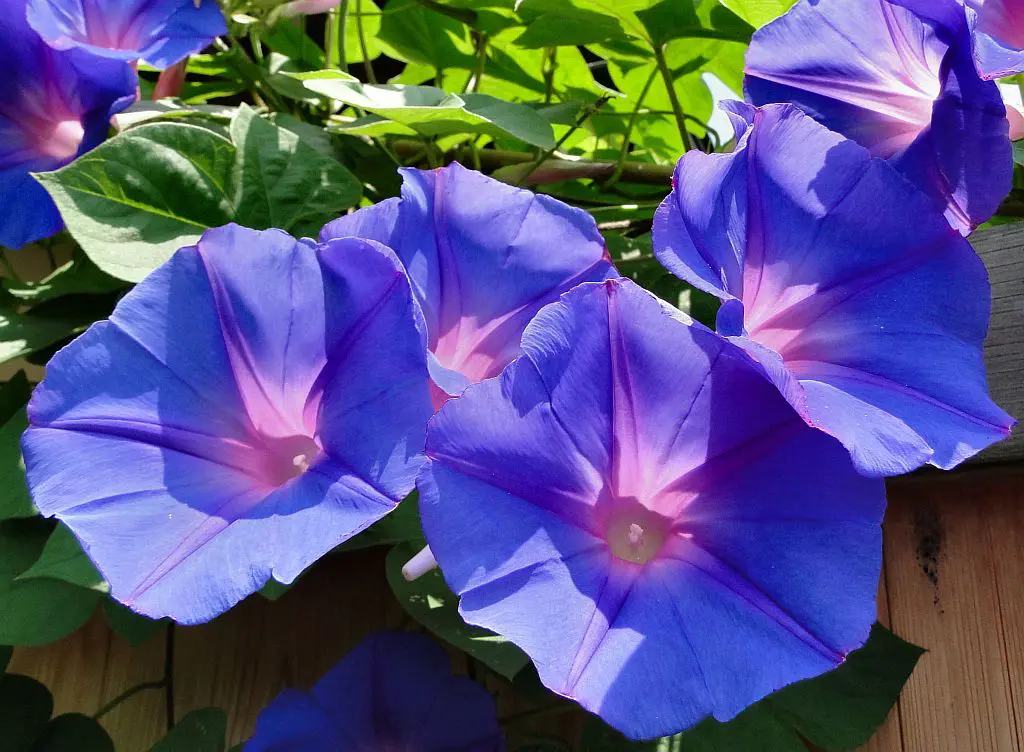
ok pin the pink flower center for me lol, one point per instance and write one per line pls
(61, 139)
(287, 458)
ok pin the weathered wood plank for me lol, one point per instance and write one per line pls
(887, 738)
(1002, 249)
(941, 560)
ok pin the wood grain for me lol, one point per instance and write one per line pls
(944, 537)
(1002, 250)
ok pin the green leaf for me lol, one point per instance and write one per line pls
(25, 708)
(36, 612)
(1018, 152)
(429, 601)
(428, 111)
(570, 27)
(24, 333)
(73, 732)
(137, 198)
(283, 182)
(77, 277)
(758, 12)
(367, 13)
(15, 500)
(843, 708)
(63, 559)
(410, 32)
(134, 200)
(125, 623)
(680, 19)
(6, 651)
(202, 730)
(288, 38)
(274, 589)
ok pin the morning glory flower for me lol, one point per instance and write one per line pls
(54, 106)
(158, 32)
(250, 405)
(865, 306)
(899, 82)
(394, 691)
(998, 36)
(634, 504)
(483, 258)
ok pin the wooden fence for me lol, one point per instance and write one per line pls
(953, 582)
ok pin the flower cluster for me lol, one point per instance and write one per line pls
(72, 64)
(672, 522)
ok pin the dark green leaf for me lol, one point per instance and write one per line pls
(125, 623)
(63, 559)
(288, 38)
(274, 589)
(137, 198)
(429, 601)
(1018, 152)
(25, 707)
(6, 651)
(202, 730)
(283, 182)
(78, 276)
(756, 729)
(15, 500)
(572, 27)
(681, 19)
(73, 732)
(36, 612)
(843, 708)
(24, 333)
(410, 32)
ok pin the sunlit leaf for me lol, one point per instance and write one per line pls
(63, 559)
(758, 12)
(14, 496)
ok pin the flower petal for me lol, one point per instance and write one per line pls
(716, 616)
(868, 311)
(221, 429)
(159, 32)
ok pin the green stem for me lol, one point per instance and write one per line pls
(341, 44)
(629, 128)
(583, 117)
(371, 77)
(439, 78)
(480, 42)
(331, 37)
(673, 98)
(168, 680)
(125, 695)
(550, 66)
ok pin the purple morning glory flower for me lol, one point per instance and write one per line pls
(53, 107)
(483, 258)
(158, 32)
(394, 691)
(867, 308)
(250, 405)
(901, 83)
(998, 36)
(634, 504)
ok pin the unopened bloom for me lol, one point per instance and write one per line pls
(841, 278)
(900, 81)
(54, 106)
(483, 258)
(634, 504)
(249, 406)
(158, 32)
(394, 691)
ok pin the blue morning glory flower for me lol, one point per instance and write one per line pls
(900, 81)
(250, 405)
(634, 504)
(483, 258)
(394, 691)
(158, 32)
(868, 310)
(54, 106)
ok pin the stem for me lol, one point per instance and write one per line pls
(125, 695)
(677, 108)
(439, 78)
(480, 42)
(371, 77)
(550, 66)
(168, 680)
(340, 45)
(583, 117)
(629, 129)
(331, 33)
